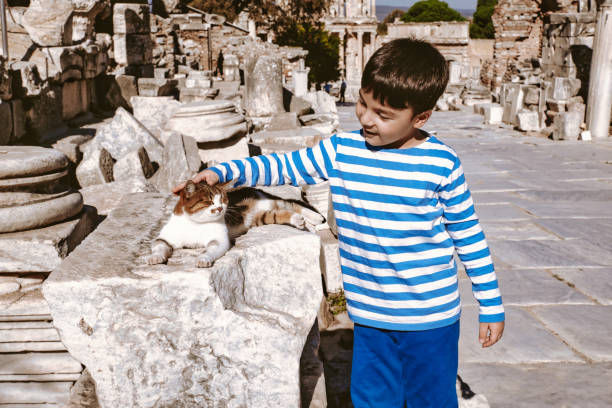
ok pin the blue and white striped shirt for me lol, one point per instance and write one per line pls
(401, 213)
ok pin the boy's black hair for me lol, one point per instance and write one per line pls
(406, 73)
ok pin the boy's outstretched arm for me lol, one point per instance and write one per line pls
(468, 238)
(304, 166)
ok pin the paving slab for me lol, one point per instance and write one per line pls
(548, 254)
(492, 183)
(594, 231)
(593, 282)
(501, 212)
(551, 385)
(527, 288)
(584, 209)
(495, 197)
(586, 328)
(576, 195)
(515, 230)
(525, 340)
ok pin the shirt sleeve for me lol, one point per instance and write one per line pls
(468, 238)
(305, 166)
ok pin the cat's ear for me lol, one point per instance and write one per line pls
(190, 188)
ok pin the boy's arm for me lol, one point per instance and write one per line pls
(305, 166)
(468, 238)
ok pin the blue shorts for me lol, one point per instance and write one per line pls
(405, 369)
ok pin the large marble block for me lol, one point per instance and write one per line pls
(264, 86)
(177, 335)
(49, 22)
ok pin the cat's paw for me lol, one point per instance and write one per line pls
(204, 261)
(312, 217)
(297, 220)
(156, 259)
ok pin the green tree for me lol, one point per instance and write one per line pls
(323, 48)
(482, 25)
(431, 10)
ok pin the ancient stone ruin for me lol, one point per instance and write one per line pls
(106, 106)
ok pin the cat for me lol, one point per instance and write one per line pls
(211, 217)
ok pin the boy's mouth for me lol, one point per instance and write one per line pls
(369, 133)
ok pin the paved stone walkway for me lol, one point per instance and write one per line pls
(546, 209)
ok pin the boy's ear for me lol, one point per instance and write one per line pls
(422, 118)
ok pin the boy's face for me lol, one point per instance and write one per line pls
(387, 126)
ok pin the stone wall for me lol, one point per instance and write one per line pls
(518, 37)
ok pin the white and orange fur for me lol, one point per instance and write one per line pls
(210, 217)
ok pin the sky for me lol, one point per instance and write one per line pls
(462, 4)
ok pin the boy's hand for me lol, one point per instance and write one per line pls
(490, 333)
(209, 176)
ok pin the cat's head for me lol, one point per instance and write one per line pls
(201, 202)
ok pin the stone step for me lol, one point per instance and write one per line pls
(25, 335)
(19, 347)
(35, 393)
(38, 363)
(39, 377)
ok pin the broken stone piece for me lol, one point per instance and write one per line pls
(284, 121)
(131, 18)
(154, 112)
(321, 102)
(106, 197)
(134, 165)
(208, 121)
(180, 162)
(528, 120)
(49, 22)
(96, 167)
(567, 126)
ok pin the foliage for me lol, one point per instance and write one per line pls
(482, 25)
(337, 302)
(323, 48)
(431, 10)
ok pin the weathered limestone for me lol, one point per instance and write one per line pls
(528, 120)
(156, 87)
(6, 118)
(227, 335)
(154, 112)
(567, 126)
(106, 197)
(284, 140)
(231, 71)
(95, 168)
(321, 102)
(30, 196)
(264, 86)
(125, 134)
(134, 165)
(180, 161)
(208, 121)
(49, 23)
(5, 80)
(131, 18)
(42, 249)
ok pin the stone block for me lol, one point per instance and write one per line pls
(128, 88)
(133, 166)
(74, 101)
(213, 153)
(180, 161)
(24, 307)
(243, 311)
(578, 107)
(42, 249)
(556, 105)
(209, 121)
(493, 114)
(18, 114)
(564, 88)
(264, 87)
(198, 82)
(131, 18)
(96, 166)
(189, 95)
(304, 137)
(321, 102)
(6, 91)
(132, 49)
(284, 121)
(154, 112)
(330, 261)
(125, 134)
(6, 118)
(567, 126)
(528, 120)
(532, 95)
(49, 23)
(106, 197)
(39, 363)
(156, 87)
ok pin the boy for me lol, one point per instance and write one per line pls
(402, 207)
